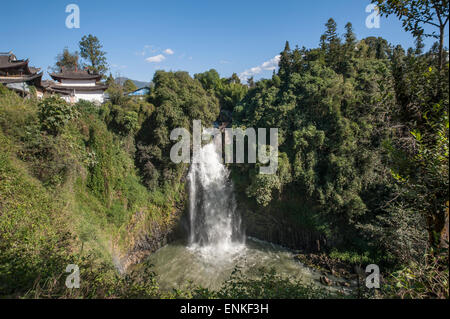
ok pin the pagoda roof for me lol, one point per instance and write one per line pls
(23, 78)
(7, 63)
(75, 75)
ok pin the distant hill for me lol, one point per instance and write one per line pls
(139, 84)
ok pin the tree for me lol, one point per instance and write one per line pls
(251, 82)
(285, 63)
(416, 15)
(331, 32)
(91, 50)
(297, 57)
(377, 47)
(331, 43)
(419, 45)
(210, 80)
(426, 179)
(235, 79)
(421, 163)
(66, 60)
(229, 91)
(129, 86)
(350, 37)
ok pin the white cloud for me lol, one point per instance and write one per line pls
(168, 51)
(156, 59)
(224, 62)
(270, 65)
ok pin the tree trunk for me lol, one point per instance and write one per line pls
(441, 47)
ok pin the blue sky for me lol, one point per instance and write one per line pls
(230, 36)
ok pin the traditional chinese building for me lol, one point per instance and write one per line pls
(17, 75)
(78, 85)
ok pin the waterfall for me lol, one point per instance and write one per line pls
(215, 226)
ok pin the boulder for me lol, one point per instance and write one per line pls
(325, 280)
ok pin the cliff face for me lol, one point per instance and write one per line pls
(146, 237)
(273, 227)
(276, 224)
(290, 219)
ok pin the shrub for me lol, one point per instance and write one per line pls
(428, 279)
(267, 285)
(54, 113)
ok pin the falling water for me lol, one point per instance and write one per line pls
(216, 243)
(215, 226)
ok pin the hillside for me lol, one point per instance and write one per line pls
(70, 194)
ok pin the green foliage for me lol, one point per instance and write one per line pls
(342, 112)
(54, 113)
(33, 237)
(415, 15)
(351, 257)
(98, 281)
(229, 91)
(47, 156)
(418, 16)
(124, 115)
(86, 107)
(329, 131)
(116, 93)
(427, 279)
(16, 113)
(86, 199)
(262, 188)
(426, 177)
(266, 284)
(91, 51)
(178, 100)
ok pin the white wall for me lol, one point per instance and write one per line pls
(65, 82)
(94, 96)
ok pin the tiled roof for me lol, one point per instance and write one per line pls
(75, 75)
(7, 62)
(23, 78)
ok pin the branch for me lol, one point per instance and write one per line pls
(438, 13)
(428, 22)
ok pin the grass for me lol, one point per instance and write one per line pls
(34, 237)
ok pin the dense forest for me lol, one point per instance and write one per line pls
(362, 171)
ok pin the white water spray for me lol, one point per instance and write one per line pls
(215, 226)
